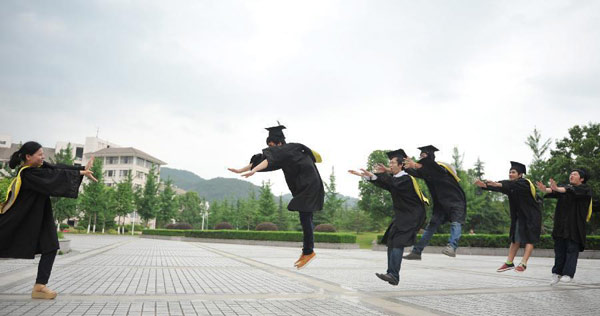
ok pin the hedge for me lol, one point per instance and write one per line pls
(337, 238)
(499, 241)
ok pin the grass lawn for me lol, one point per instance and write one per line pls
(365, 240)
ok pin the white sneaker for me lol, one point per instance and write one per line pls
(555, 278)
(566, 279)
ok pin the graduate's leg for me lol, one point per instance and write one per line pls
(455, 232)
(527, 253)
(395, 261)
(512, 251)
(429, 231)
(560, 255)
(571, 256)
(45, 267)
(306, 220)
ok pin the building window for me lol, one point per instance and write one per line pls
(124, 173)
(112, 160)
(126, 160)
(2, 142)
(141, 162)
(148, 164)
(79, 152)
(110, 173)
(140, 175)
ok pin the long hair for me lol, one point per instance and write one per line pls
(29, 148)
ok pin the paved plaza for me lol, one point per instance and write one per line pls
(117, 275)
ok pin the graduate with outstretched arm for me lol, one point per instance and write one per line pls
(449, 201)
(573, 210)
(525, 213)
(26, 221)
(409, 210)
(302, 177)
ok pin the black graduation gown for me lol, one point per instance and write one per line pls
(522, 207)
(571, 213)
(301, 174)
(28, 228)
(449, 201)
(409, 210)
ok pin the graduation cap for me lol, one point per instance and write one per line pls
(398, 153)
(430, 149)
(276, 134)
(519, 167)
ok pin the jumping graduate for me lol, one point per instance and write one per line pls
(449, 202)
(302, 177)
(26, 221)
(409, 210)
(525, 213)
(573, 210)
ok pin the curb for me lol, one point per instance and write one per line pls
(480, 251)
(325, 245)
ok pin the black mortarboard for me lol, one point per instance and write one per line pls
(430, 149)
(583, 173)
(399, 153)
(276, 133)
(519, 167)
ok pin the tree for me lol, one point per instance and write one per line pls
(333, 203)
(191, 207)
(539, 149)
(63, 208)
(109, 211)
(266, 203)
(148, 204)
(167, 209)
(93, 200)
(125, 201)
(373, 200)
(281, 220)
(457, 159)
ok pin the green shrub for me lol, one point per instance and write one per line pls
(499, 241)
(64, 226)
(4, 184)
(61, 235)
(253, 235)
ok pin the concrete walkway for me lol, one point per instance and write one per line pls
(113, 275)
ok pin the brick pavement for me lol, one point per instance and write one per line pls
(117, 275)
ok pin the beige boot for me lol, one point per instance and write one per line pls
(40, 291)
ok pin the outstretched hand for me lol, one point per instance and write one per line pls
(480, 184)
(249, 174)
(409, 163)
(553, 185)
(234, 170)
(541, 186)
(90, 163)
(381, 168)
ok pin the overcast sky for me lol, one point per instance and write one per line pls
(194, 83)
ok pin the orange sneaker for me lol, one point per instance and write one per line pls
(43, 293)
(295, 263)
(304, 260)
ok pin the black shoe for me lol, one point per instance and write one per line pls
(388, 278)
(412, 256)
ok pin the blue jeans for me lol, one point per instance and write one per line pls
(455, 232)
(394, 256)
(566, 253)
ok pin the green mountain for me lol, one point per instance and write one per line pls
(219, 188)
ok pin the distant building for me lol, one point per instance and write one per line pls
(119, 162)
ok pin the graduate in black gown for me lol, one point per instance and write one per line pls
(302, 177)
(573, 210)
(26, 221)
(409, 210)
(449, 201)
(525, 213)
